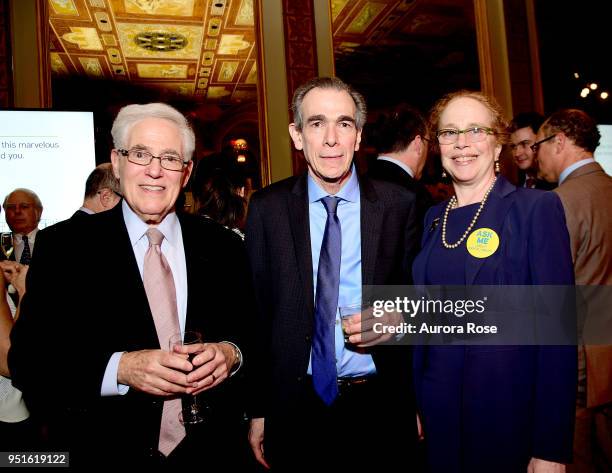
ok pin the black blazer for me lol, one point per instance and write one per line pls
(540, 183)
(78, 311)
(391, 172)
(79, 214)
(278, 243)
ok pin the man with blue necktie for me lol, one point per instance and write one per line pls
(23, 210)
(314, 240)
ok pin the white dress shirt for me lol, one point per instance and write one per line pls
(18, 243)
(404, 166)
(174, 251)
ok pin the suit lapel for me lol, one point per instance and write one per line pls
(192, 264)
(197, 263)
(297, 204)
(431, 236)
(371, 216)
(495, 210)
(130, 280)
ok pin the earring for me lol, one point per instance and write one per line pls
(497, 166)
(444, 176)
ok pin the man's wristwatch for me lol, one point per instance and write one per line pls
(237, 358)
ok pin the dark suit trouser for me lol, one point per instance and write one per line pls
(21, 436)
(213, 446)
(360, 431)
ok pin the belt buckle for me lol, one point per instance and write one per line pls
(347, 383)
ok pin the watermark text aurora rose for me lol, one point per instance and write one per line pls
(415, 307)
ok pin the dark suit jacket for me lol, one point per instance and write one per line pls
(391, 172)
(540, 183)
(515, 401)
(77, 312)
(80, 214)
(278, 242)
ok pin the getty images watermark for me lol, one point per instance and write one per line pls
(411, 308)
(490, 315)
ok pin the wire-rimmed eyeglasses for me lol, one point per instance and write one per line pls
(449, 136)
(171, 162)
(534, 147)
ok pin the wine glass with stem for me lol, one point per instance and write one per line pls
(191, 412)
(6, 243)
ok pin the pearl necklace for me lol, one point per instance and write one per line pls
(453, 204)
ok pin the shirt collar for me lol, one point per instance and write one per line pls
(348, 192)
(137, 229)
(31, 236)
(570, 169)
(86, 210)
(404, 166)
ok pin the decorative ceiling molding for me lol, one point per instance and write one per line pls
(205, 48)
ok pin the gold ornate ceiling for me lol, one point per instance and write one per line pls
(386, 22)
(204, 49)
(405, 50)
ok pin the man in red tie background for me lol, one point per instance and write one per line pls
(523, 129)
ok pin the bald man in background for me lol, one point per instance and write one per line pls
(101, 191)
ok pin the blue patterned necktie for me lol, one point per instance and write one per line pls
(26, 255)
(324, 375)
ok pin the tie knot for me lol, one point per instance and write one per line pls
(331, 204)
(155, 237)
(25, 238)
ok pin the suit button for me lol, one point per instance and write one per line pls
(308, 338)
(300, 378)
(153, 453)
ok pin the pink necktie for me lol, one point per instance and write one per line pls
(159, 285)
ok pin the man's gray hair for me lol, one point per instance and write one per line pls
(130, 115)
(30, 193)
(327, 83)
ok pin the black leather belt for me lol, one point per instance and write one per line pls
(355, 381)
(355, 385)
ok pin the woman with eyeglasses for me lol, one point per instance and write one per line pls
(503, 408)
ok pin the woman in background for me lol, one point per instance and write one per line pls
(217, 198)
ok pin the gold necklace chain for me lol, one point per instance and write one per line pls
(452, 203)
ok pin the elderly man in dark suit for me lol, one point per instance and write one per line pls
(95, 360)
(23, 211)
(313, 241)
